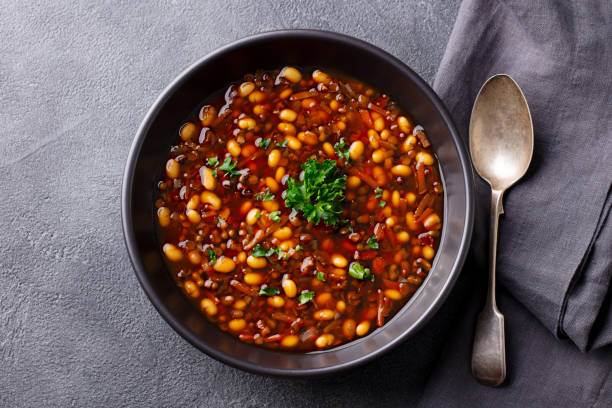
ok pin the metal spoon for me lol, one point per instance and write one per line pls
(501, 145)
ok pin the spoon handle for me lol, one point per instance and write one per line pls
(489, 350)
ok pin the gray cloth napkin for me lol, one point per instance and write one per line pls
(543, 371)
(554, 255)
(555, 243)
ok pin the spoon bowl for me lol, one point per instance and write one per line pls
(501, 133)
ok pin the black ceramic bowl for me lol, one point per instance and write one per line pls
(302, 48)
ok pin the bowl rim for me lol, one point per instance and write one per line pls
(128, 226)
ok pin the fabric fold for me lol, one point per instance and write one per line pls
(555, 244)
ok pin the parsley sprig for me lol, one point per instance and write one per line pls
(305, 297)
(260, 252)
(268, 291)
(282, 144)
(265, 196)
(263, 143)
(229, 167)
(378, 192)
(357, 271)
(212, 162)
(342, 149)
(373, 242)
(212, 256)
(319, 194)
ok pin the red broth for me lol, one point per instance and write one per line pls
(300, 210)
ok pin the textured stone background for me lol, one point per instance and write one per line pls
(75, 81)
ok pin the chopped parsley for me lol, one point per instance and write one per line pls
(268, 291)
(229, 167)
(260, 252)
(298, 247)
(279, 253)
(275, 216)
(305, 297)
(219, 221)
(282, 144)
(378, 192)
(321, 276)
(212, 162)
(342, 150)
(319, 194)
(263, 143)
(212, 256)
(382, 203)
(357, 271)
(266, 196)
(373, 242)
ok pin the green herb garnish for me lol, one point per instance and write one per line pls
(373, 242)
(382, 203)
(268, 291)
(378, 192)
(321, 276)
(342, 150)
(212, 256)
(229, 167)
(298, 247)
(275, 216)
(319, 194)
(266, 196)
(220, 221)
(305, 297)
(263, 143)
(212, 162)
(282, 144)
(260, 252)
(279, 253)
(357, 271)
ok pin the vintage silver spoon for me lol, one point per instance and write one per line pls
(501, 145)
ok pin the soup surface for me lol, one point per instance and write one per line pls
(300, 210)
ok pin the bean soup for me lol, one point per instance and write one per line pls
(300, 210)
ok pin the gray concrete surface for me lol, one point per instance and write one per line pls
(75, 81)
